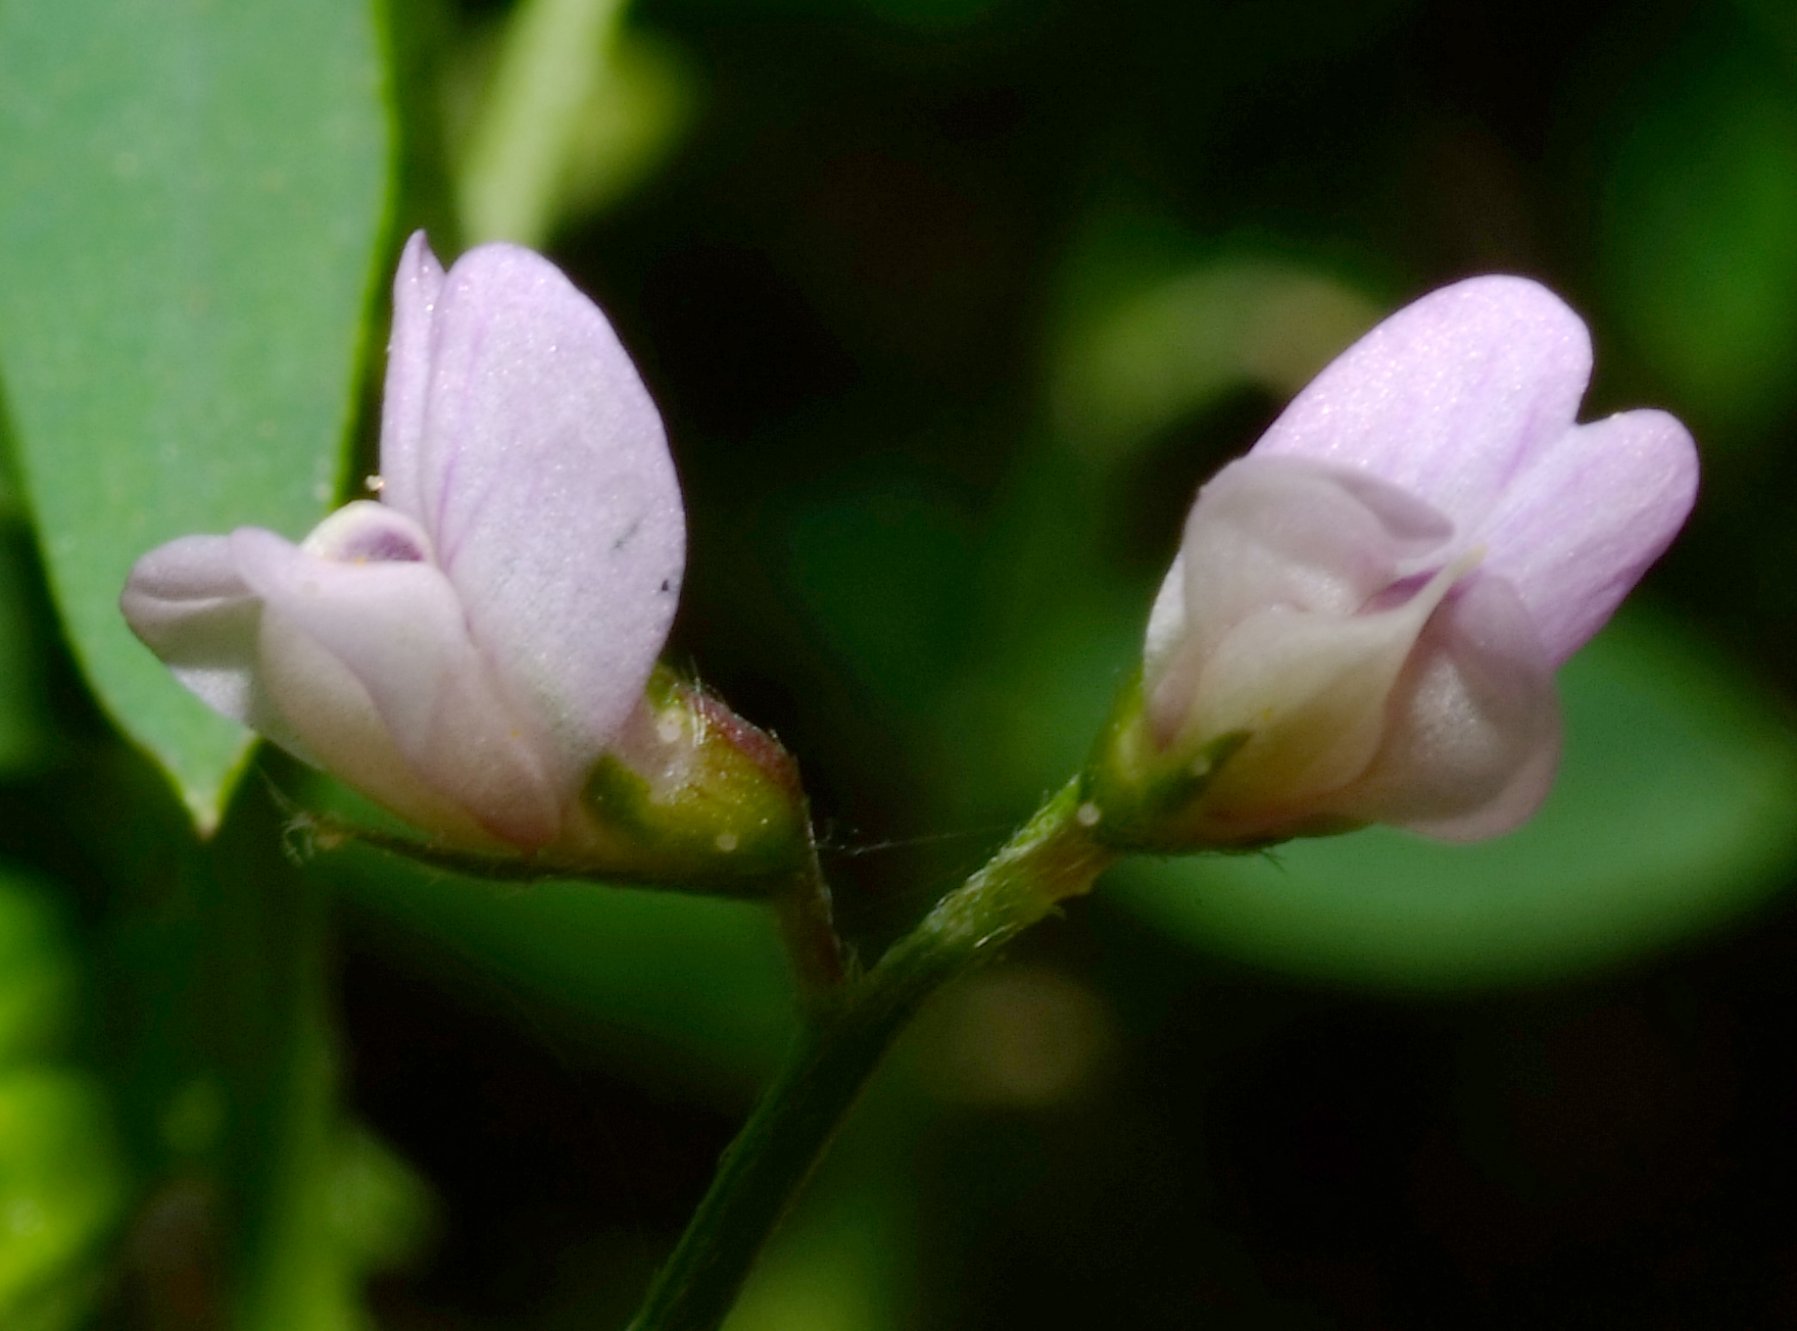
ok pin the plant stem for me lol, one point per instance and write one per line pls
(1052, 858)
(803, 909)
(268, 940)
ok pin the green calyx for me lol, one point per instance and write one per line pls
(696, 797)
(1145, 796)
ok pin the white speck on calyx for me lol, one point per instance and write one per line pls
(373, 484)
(727, 842)
(1087, 815)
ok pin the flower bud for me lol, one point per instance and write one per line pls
(476, 650)
(695, 795)
(1367, 610)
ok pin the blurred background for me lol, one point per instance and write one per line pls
(950, 305)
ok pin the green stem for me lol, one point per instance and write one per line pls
(268, 941)
(807, 926)
(1051, 859)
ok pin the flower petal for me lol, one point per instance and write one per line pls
(396, 628)
(187, 603)
(1312, 691)
(1166, 621)
(549, 493)
(366, 532)
(1285, 532)
(1474, 736)
(340, 721)
(417, 287)
(1579, 527)
(1448, 398)
(1277, 532)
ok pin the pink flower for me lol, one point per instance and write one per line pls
(1373, 602)
(467, 649)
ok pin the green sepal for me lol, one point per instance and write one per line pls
(699, 797)
(1146, 796)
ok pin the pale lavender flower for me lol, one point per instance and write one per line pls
(1378, 595)
(465, 650)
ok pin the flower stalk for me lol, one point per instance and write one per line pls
(1052, 858)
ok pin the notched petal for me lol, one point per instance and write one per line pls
(1581, 526)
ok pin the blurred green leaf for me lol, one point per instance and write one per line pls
(1698, 220)
(549, 58)
(632, 119)
(1037, 706)
(693, 987)
(573, 112)
(1671, 815)
(1774, 21)
(38, 972)
(61, 1185)
(1141, 353)
(381, 1207)
(192, 197)
(841, 1264)
(883, 561)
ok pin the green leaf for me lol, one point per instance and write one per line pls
(380, 1206)
(193, 193)
(1698, 215)
(551, 59)
(1139, 350)
(61, 1186)
(841, 1263)
(572, 112)
(883, 559)
(39, 984)
(1671, 815)
(687, 987)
